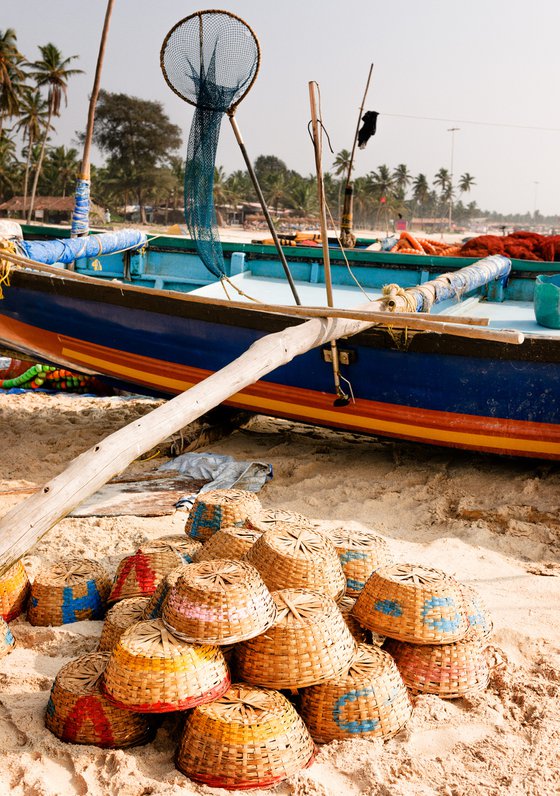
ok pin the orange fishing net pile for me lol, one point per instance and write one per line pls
(408, 244)
(519, 245)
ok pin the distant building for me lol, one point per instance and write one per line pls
(50, 209)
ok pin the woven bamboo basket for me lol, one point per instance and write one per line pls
(360, 553)
(368, 699)
(413, 603)
(289, 557)
(118, 618)
(7, 641)
(140, 574)
(219, 602)
(69, 590)
(154, 606)
(218, 509)
(230, 543)
(177, 545)
(14, 591)
(152, 671)
(361, 634)
(477, 613)
(309, 643)
(248, 738)
(447, 670)
(268, 519)
(78, 712)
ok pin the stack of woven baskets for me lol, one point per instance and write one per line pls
(436, 628)
(287, 607)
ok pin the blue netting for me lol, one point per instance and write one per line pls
(210, 59)
(70, 249)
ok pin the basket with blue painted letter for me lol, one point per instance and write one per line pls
(361, 553)
(414, 603)
(67, 591)
(367, 699)
(220, 508)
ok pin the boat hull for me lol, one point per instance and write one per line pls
(423, 387)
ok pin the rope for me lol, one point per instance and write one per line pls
(369, 298)
(6, 246)
(390, 291)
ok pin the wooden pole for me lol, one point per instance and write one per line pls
(342, 398)
(25, 524)
(85, 169)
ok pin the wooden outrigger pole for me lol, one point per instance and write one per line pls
(80, 216)
(25, 524)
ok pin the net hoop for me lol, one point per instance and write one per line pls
(232, 108)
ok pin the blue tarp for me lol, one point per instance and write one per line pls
(70, 249)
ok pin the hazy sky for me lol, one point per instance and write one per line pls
(493, 62)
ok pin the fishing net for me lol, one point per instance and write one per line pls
(210, 59)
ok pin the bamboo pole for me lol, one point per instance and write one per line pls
(342, 398)
(25, 524)
(86, 168)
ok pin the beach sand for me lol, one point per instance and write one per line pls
(491, 522)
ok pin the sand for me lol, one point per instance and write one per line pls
(491, 522)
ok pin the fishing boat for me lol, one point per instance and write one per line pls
(155, 320)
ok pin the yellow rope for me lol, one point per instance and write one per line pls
(5, 266)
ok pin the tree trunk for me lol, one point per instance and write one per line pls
(27, 169)
(39, 166)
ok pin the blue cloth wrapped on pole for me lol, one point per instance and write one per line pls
(459, 283)
(80, 214)
(70, 249)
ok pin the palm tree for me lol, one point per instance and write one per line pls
(340, 168)
(382, 181)
(442, 180)
(51, 71)
(466, 181)
(12, 75)
(8, 163)
(420, 189)
(401, 179)
(32, 118)
(60, 170)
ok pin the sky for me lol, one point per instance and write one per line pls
(488, 67)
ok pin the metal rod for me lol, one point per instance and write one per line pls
(262, 201)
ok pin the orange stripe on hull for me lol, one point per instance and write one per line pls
(473, 432)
